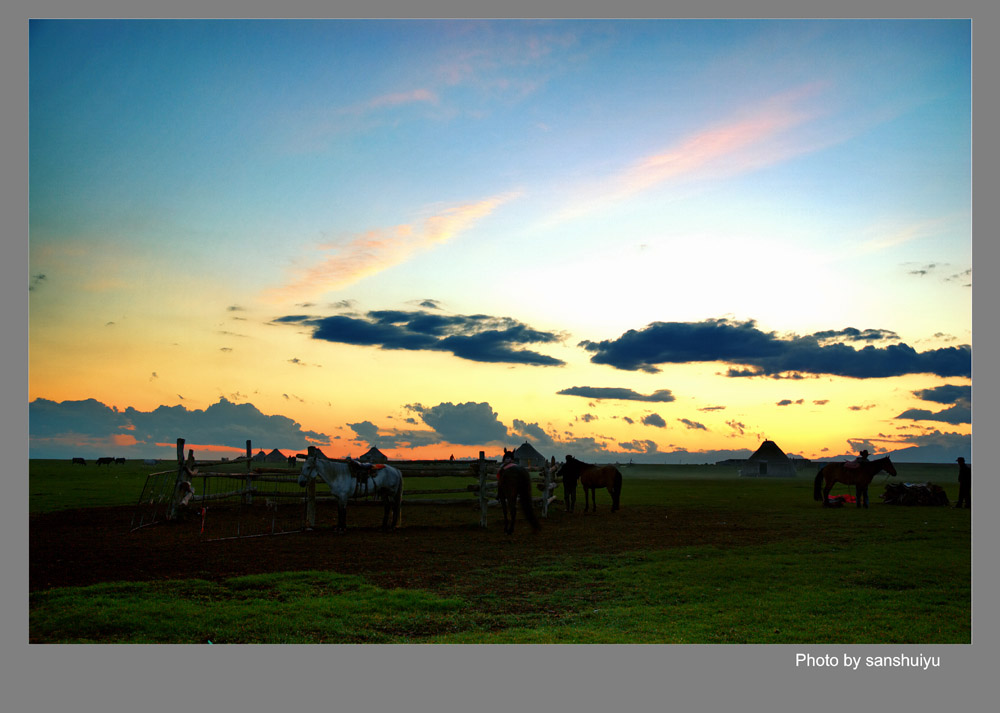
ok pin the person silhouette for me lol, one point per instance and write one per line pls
(964, 484)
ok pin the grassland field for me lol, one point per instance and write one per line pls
(727, 560)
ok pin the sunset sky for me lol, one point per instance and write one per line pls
(661, 241)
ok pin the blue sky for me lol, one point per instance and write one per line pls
(220, 208)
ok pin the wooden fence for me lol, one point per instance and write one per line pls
(266, 500)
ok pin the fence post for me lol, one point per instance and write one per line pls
(248, 493)
(311, 497)
(546, 481)
(175, 498)
(483, 498)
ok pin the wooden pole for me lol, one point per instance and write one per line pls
(248, 497)
(175, 499)
(311, 497)
(545, 496)
(483, 501)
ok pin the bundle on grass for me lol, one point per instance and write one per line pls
(914, 494)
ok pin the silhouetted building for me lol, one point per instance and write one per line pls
(768, 461)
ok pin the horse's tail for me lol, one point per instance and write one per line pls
(817, 489)
(616, 494)
(524, 494)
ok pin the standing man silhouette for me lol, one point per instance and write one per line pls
(964, 484)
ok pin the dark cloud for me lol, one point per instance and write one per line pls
(946, 394)
(533, 433)
(959, 396)
(766, 354)
(789, 402)
(959, 413)
(364, 431)
(36, 282)
(638, 446)
(850, 334)
(654, 419)
(56, 428)
(603, 392)
(693, 424)
(740, 428)
(468, 424)
(473, 337)
(713, 408)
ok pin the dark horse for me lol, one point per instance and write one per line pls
(591, 477)
(859, 475)
(513, 483)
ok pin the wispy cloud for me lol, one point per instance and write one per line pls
(343, 264)
(392, 100)
(759, 136)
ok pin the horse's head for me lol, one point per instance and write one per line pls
(508, 456)
(889, 467)
(308, 472)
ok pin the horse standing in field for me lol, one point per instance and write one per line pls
(513, 484)
(591, 477)
(859, 475)
(349, 479)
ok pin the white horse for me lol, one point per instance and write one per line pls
(352, 479)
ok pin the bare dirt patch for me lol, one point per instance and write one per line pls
(438, 548)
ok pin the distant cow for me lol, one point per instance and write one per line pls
(105, 461)
(120, 461)
(79, 461)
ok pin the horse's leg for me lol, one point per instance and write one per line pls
(513, 512)
(341, 516)
(502, 497)
(826, 493)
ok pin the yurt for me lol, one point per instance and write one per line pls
(528, 457)
(374, 455)
(768, 461)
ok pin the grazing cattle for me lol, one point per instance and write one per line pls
(105, 461)
(79, 461)
(120, 461)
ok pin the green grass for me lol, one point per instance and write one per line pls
(887, 575)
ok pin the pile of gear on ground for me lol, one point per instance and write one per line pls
(914, 494)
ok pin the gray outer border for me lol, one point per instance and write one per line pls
(479, 678)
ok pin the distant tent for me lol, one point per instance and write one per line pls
(374, 455)
(261, 456)
(527, 456)
(768, 461)
(276, 456)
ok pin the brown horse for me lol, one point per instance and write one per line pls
(859, 475)
(591, 477)
(513, 483)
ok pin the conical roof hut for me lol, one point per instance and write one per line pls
(276, 456)
(527, 456)
(768, 461)
(374, 455)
